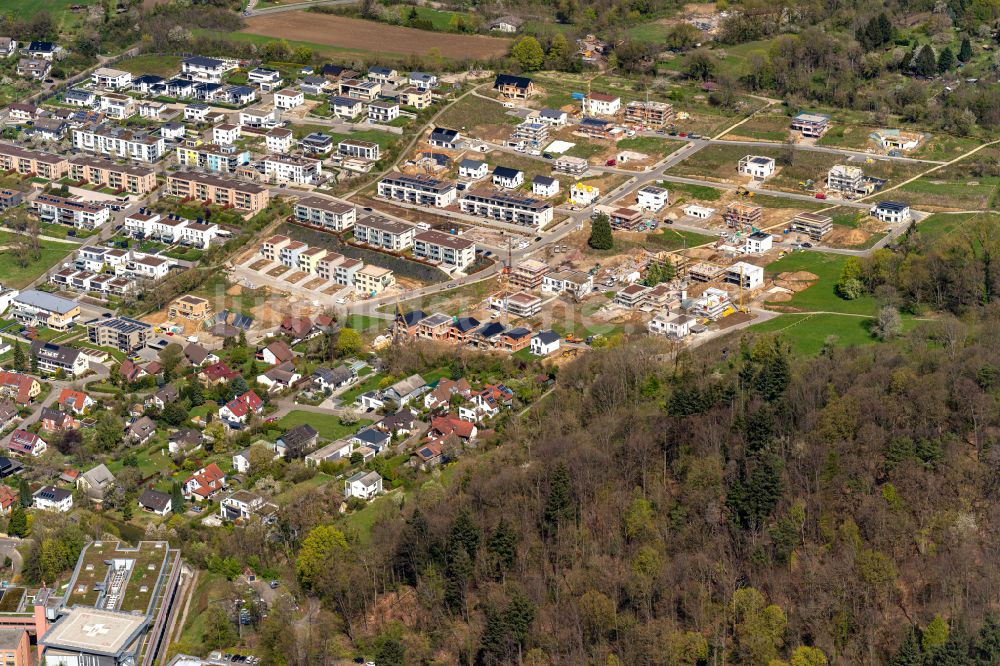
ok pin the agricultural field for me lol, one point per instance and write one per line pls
(23, 9)
(341, 32)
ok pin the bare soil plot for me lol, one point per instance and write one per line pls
(257, 265)
(314, 283)
(349, 33)
(296, 277)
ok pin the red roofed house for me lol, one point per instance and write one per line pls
(240, 407)
(426, 455)
(22, 389)
(7, 499)
(75, 401)
(130, 371)
(26, 443)
(205, 482)
(445, 426)
(297, 327)
(218, 373)
(275, 353)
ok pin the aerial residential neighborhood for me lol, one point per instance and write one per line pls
(436, 333)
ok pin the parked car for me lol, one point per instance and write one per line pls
(820, 195)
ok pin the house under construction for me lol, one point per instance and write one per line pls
(739, 215)
(655, 114)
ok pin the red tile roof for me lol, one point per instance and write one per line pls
(451, 424)
(19, 384)
(207, 480)
(75, 400)
(219, 371)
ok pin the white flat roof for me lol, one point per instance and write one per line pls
(94, 631)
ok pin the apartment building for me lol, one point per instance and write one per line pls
(25, 161)
(757, 167)
(171, 229)
(361, 89)
(117, 106)
(226, 134)
(365, 150)
(53, 359)
(653, 114)
(576, 283)
(601, 104)
(105, 173)
(415, 98)
(572, 166)
(652, 198)
(78, 214)
(119, 142)
(848, 180)
(327, 213)
(447, 249)
(121, 333)
(811, 125)
(37, 308)
(278, 140)
(208, 188)
(812, 224)
(532, 133)
(371, 280)
(382, 232)
(507, 207)
(346, 107)
(206, 70)
(288, 98)
(145, 266)
(417, 189)
(528, 274)
(289, 169)
(891, 212)
(740, 214)
(189, 307)
(217, 159)
(271, 248)
(106, 77)
(259, 117)
(383, 111)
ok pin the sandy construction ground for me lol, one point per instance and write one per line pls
(349, 33)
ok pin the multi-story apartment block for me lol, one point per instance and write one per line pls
(288, 98)
(346, 107)
(122, 333)
(372, 280)
(226, 134)
(507, 207)
(600, 104)
(52, 359)
(24, 161)
(361, 89)
(416, 98)
(79, 214)
(740, 214)
(207, 70)
(37, 308)
(327, 213)
(278, 140)
(534, 134)
(219, 159)
(812, 224)
(259, 117)
(119, 142)
(447, 249)
(208, 188)
(106, 77)
(383, 111)
(189, 307)
(272, 247)
(365, 150)
(117, 106)
(528, 274)
(105, 173)
(417, 189)
(288, 169)
(847, 179)
(264, 78)
(811, 125)
(654, 114)
(382, 232)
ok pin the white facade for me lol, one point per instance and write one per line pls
(279, 141)
(258, 117)
(206, 70)
(652, 198)
(545, 188)
(298, 170)
(581, 194)
(675, 325)
(700, 212)
(289, 98)
(225, 134)
(122, 144)
(757, 166)
(758, 243)
(105, 77)
(544, 343)
(750, 275)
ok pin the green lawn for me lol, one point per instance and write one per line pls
(809, 333)
(13, 274)
(700, 192)
(369, 384)
(22, 9)
(941, 225)
(440, 19)
(651, 145)
(327, 425)
(160, 65)
(364, 323)
(821, 296)
(946, 190)
(472, 112)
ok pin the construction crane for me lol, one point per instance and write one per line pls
(504, 282)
